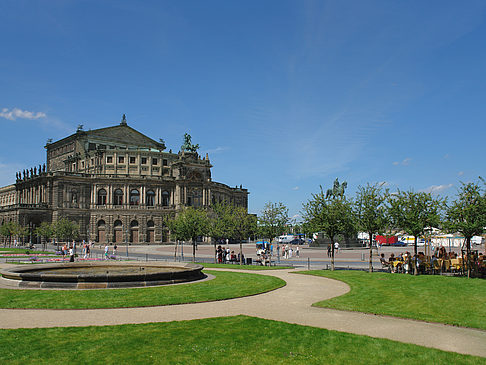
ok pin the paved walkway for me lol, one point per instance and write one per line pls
(291, 304)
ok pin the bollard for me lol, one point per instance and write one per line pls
(308, 263)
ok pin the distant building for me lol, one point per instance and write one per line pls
(116, 183)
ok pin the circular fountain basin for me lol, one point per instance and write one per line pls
(100, 275)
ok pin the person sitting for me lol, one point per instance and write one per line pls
(384, 264)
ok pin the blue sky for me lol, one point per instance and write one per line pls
(283, 95)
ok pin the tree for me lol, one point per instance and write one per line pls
(330, 213)
(8, 230)
(190, 224)
(46, 231)
(273, 220)
(467, 215)
(414, 212)
(66, 229)
(371, 212)
(244, 225)
(220, 223)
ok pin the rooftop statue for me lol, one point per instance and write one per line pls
(188, 146)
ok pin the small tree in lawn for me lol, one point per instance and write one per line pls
(190, 223)
(330, 213)
(244, 225)
(414, 212)
(220, 222)
(467, 215)
(66, 229)
(273, 220)
(371, 212)
(46, 231)
(8, 230)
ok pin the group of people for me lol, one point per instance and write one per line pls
(107, 251)
(225, 255)
(405, 262)
(288, 251)
(71, 250)
(329, 249)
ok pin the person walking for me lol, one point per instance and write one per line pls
(329, 249)
(71, 254)
(297, 251)
(114, 249)
(106, 252)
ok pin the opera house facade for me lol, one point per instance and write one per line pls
(117, 184)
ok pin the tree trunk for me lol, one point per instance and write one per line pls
(241, 252)
(468, 256)
(414, 261)
(193, 250)
(332, 254)
(371, 252)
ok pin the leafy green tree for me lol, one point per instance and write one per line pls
(273, 220)
(414, 212)
(220, 223)
(190, 224)
(330, 213)
(8, 230)
(467, 215)
(66, 230)
(244, 225)
(46, 231)
(371, 212)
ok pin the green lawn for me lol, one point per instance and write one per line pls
(451, 300)
(231, 340)
(243, 267)
(23, 251)
(226, 285)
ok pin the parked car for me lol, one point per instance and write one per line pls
(297, 241)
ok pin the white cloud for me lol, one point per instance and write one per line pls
(460, 173)
(19, 113)
(214, 150)
(437, 188)
(295, 188)
(405, 162)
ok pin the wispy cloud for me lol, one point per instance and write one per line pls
(21, 114)
(437, 188)
(215, 150)
(405, 162)
(295, 188)
(460, 173)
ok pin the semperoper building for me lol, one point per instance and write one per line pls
(117, 184)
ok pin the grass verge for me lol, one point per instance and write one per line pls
(230, 340)
(243, 267)
(226, 285)
(451, 300)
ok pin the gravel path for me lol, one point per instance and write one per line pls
(291, 304)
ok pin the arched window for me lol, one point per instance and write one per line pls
(101, 223)
(118, 197)
(165, 199)
(150, 224)
(134, 224)
(74, 196)
(118, 224)
(134, 197)
(101, 197)
(150, 197)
